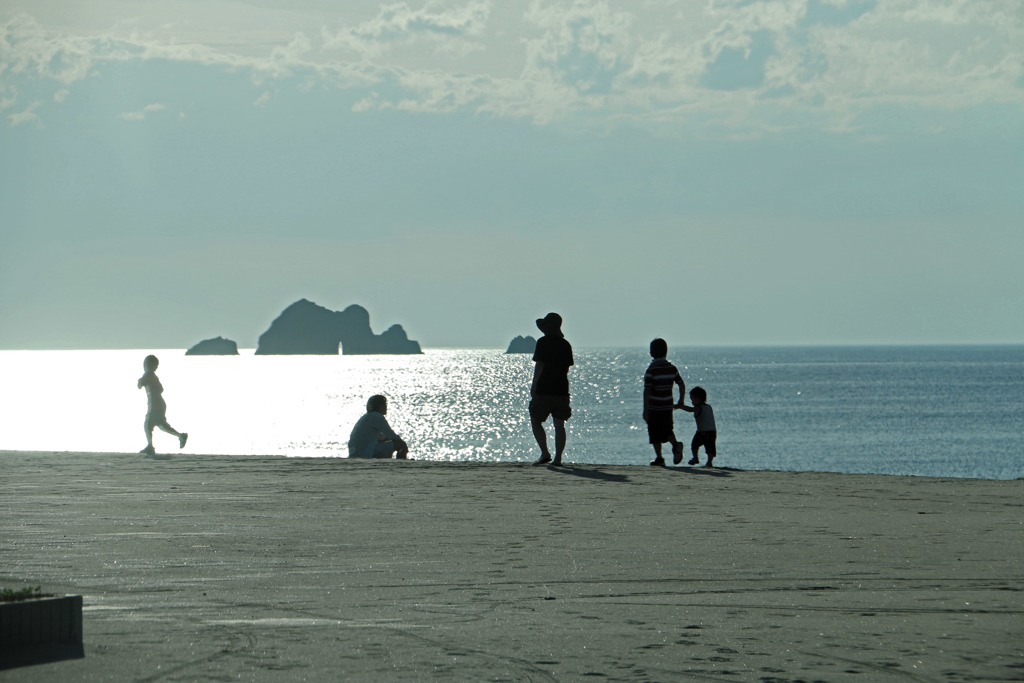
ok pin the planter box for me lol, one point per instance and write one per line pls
(41, 621)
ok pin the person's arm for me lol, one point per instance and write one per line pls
(537, 370)
(648, 390)
(689, 409)
(401, 447)
(384, 431)
(648, 387)
(682, 390)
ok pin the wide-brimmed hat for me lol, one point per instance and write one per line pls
(551, 323)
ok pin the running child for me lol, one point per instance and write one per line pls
(156, 416)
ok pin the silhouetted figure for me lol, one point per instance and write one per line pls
(549, 392)
(372, 436)
(659, 381)
(156, 415)
(706, 431)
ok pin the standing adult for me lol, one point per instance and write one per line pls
(549, 393)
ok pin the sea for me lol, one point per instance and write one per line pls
(941, 411)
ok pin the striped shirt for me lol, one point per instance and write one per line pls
(658, 381)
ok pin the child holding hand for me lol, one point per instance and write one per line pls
(706, 431)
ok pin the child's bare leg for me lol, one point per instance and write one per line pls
(148, 428)
(169, 429)
(711, 451)
(182, 436)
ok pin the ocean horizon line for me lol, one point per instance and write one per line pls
(582, 347)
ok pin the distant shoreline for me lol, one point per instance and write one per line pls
(423, 462)
(676, 348)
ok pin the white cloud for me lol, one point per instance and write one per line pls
(738, 65)
(60, 96)
(578, 43)
(954, 56)
(141, 114)
(27, 48)
(367, 103)
(448, 27)
(26, 116)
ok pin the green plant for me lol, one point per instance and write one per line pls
(12, 595)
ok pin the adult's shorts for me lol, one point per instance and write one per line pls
(660, 428)
(542, 406)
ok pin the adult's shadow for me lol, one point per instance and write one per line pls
(705, 471)
(591, 473)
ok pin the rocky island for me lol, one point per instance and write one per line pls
(521, 344)
(309, 329)
(218, 346)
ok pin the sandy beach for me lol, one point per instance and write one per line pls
(206, 567)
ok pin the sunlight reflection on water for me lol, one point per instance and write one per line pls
(870, 409)
(449, 404)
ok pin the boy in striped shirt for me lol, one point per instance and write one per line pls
(659, 379)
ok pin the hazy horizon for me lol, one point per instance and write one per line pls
(245, 350)
(714, 172)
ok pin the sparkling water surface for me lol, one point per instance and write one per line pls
(937, 411)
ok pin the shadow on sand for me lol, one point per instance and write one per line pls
(30, 655)
(156, 456)
(590, 472)
(594, 472)
(706, 471)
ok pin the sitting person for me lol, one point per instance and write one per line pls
(372, 437)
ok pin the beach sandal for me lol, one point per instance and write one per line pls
(677, 454)
(658, 462)
(694, 461)
(542, 460)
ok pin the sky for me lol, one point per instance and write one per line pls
(714, 172)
